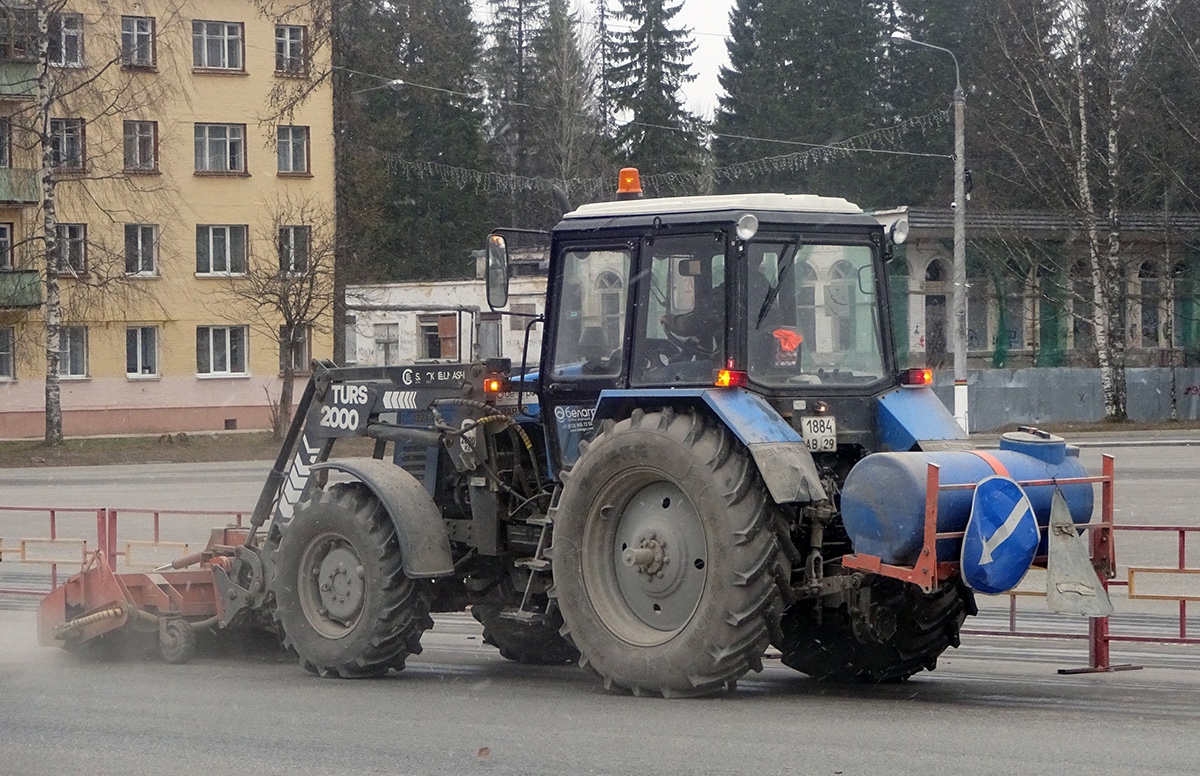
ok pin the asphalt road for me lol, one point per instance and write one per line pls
(460, 709)
(995, 706)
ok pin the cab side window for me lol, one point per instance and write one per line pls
(591, 318)
(680, 337)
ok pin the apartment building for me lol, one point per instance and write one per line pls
(187, 209)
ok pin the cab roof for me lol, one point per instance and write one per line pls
(783, 203)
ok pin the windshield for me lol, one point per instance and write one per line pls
(812, 315)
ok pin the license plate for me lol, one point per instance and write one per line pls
(820, 433)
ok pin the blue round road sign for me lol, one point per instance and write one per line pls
(1001, 537)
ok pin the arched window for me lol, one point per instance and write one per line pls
(936, 319)
(935, 273)
(1083, 319)
(840, 304)
(1148, 298)
(609, 288)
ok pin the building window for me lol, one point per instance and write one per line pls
(217, 45)
(141, 351)
(6, 247)
(221, 350)
(5, 143)
(521, 313)
(72, 351)
(437, 336)
(137, 41)
(387, 344)
(351, 341)
(18, 35)
(289, 49)
(840, 301)
(296, 354)
(72, 249)
(141, 145)
(293, 248)
(220, 250)
(220, 148)
(293, 149)
(66, 40)
(7, 366)
(609, 287)
(1150, 292)
(141, 249)
(66, 144)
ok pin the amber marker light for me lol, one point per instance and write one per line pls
(916, 377)
(493, 385)
(732, 378)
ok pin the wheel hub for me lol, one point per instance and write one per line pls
(331, 588)
(661, 556)
(340, 582)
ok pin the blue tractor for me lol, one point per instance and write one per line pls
(716, 454)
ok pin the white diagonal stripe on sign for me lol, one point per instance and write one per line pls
(1004, 531)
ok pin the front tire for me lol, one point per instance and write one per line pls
(663, 558)
(343, 602)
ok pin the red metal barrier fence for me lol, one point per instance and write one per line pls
(71, 551)
(1099, 636)
(66, 546)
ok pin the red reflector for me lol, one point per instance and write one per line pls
(493, 385)
(916, 377)
(732, 378)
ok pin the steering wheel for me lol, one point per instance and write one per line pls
(689, 346)
(656, 353)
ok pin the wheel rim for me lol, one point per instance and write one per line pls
(645, 558)
(331, 585)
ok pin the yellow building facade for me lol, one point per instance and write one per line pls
(186, 197)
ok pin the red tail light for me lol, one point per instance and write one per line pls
(916, 377)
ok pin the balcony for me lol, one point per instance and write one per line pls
(18, 80)
(20, 289)
(19, 187)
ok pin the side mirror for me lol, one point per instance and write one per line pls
(496, 274)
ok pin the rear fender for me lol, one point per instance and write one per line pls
(424, 546)
(783, 459)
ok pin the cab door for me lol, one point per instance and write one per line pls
(586, 345)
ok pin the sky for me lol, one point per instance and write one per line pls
(709, 22)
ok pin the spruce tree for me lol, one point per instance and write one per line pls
(803, 72)
(566, 139)
(650, 65)
(405, 219)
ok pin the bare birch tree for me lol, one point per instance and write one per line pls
(288, 296)
(1069, 69)
(74, 98)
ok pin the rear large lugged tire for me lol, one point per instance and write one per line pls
(539, 644)
(664, 562)
(342, 600)
(910, 630)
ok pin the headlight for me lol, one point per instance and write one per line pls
(747, 226)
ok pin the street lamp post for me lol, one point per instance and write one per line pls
(958, 290)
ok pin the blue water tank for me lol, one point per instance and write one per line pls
(883, 499)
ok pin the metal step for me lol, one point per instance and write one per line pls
(522, 616)
(536, 564)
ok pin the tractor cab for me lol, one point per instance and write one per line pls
(782, 295)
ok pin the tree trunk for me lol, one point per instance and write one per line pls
(341, 252)
(54, 423)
